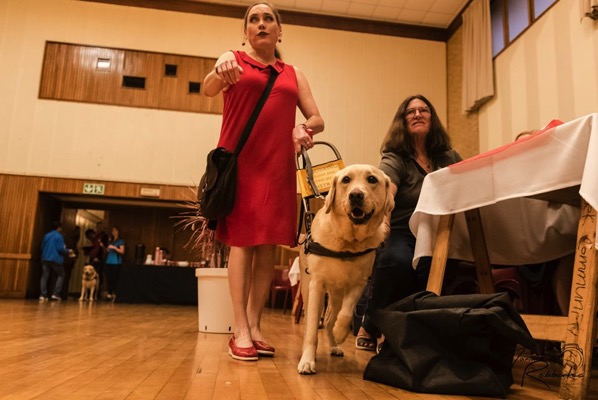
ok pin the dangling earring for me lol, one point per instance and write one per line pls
(243, 44)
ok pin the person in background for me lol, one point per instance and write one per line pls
(114, 259)
(101, 233)
(264, 214)
(69, 263)
(415, 145)
(95, 251)
(53, 252)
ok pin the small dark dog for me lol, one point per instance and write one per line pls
(89, 284)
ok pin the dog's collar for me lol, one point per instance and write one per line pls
(318, 249)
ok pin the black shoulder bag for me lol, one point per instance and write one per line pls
(217, 188)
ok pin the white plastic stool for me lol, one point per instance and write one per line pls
(214, 305)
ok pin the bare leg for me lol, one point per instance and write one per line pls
(239, 282)
(263, 269)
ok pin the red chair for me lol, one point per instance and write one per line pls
(280, 283)
(462, 279)
(508, 279)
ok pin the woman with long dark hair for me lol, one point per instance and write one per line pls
(415, 145)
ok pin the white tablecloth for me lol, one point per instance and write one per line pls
(518, 230)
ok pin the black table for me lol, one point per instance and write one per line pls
(157, 285)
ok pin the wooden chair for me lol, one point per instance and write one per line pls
(280, 283)
(577, 329)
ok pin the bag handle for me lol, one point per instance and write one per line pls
(304, 154)
(305, 210)
(256, 110)
(308, 166)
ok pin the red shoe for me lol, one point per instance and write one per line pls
(241, 353)
(263, 348)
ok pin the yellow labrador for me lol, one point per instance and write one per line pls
(89, 284)
(349, 225)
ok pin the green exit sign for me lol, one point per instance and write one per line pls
(93, 188)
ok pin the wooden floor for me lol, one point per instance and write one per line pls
(73, 350)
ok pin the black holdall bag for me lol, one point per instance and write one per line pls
(453, 345)
(218, 185)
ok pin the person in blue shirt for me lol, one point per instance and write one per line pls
(53, 252)
(113, 263)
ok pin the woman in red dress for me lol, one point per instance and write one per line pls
(265, 210)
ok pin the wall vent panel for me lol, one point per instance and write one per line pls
(136, 82)
(170, 70)
(194, 87)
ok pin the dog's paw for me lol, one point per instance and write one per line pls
(306, 367)
(336, 352)
(80, 298)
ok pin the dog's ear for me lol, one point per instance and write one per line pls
(389, 201)
(329, 202)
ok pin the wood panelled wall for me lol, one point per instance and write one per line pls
(27, 209)
(70, 72)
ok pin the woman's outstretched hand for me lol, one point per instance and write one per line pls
(229, 71)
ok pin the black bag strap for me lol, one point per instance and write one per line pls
(257, 110)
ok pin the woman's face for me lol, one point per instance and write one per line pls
(114, 232)
(418, 117)
(262, 27)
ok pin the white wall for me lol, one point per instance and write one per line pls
(551, 72)
(358, 81)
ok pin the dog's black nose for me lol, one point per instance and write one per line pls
(356, 196)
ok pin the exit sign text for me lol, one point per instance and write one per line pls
(93, 188)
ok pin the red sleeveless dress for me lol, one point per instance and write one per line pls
(265, 210)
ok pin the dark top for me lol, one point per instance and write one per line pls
(408, 176)
(95, 250)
